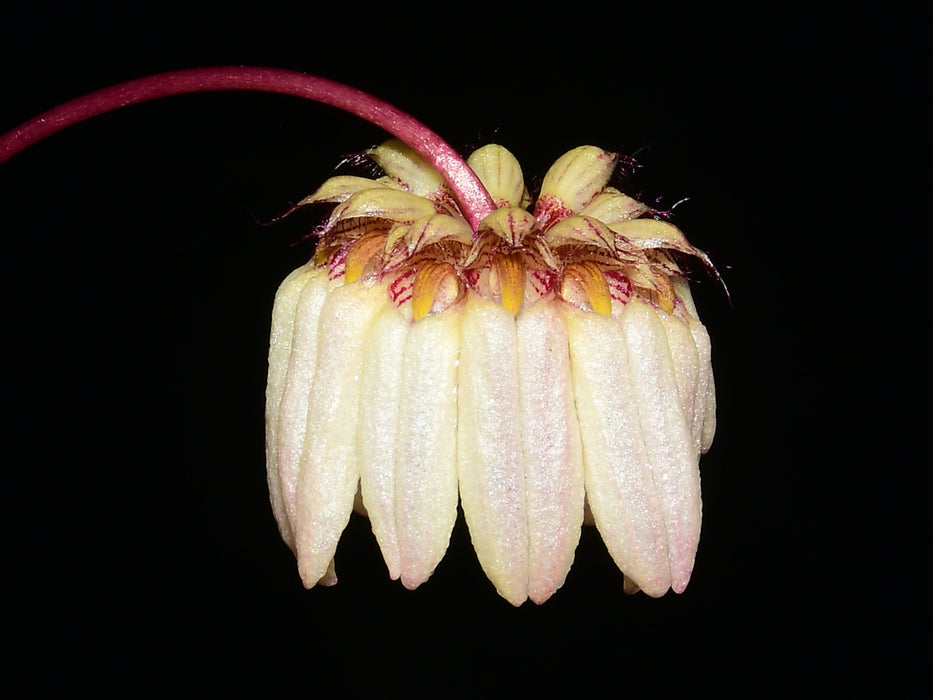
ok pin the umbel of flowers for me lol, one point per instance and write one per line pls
(545, 369)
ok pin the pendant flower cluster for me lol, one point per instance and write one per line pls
(545, 369)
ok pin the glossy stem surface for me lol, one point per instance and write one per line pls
(474, 200)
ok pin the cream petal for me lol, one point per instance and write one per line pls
(434, 228)
(551, 448)
(687, 372)
(581, 230)
(620, 486)
(707, 385)
(512, 224)
(293, 408)
(578, 176)
(426, 453)
(329, 470)
(280, 348)
(501, 174)
(489, 449)
(342, 187)
(407, 167)
(682, 289)
(612, 206)
(669, 441)
(381, 394)
(382, 203)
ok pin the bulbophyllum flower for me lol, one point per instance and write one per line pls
(448, 343)
(547, 366)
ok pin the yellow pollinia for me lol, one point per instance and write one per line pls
(549, 360)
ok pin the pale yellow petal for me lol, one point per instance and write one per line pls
(293, 408)
(382, 385)
(581, 230)
(435, 228)
(620, 487)
(687, 372)
(329, 470)
(490, 466)
(551, 448)
(707, 385)
(511, 224)
(383, 203)
(651, 233)
(667, 436)
(501, 174)
(280, 348)
(342, 187)
(578, 176)
(612, 206)
(426, 455)
(410, 169)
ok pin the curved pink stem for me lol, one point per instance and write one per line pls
(474, 200)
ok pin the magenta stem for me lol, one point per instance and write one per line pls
(474, 200)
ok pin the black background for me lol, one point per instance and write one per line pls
(141, 553)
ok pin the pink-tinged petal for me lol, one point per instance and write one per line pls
(576, 178)
(406, 167)
(342, 187)
(501, 174)
(293, 408)
(686, 371)
(280, 348)
(329, 470)
(669, 441)
(620, 488)
(490, 466)
(611, 206)
(426, 454)
(382, 383)
(551, 448)
(706, 386)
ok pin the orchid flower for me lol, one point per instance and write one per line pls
(449, 343)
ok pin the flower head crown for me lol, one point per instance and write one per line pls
(447, 345)
(544, 366)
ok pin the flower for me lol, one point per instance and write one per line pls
(545, 368)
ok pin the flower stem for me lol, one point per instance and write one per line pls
(474, 200)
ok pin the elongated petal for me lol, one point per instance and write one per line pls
(501, 174)
(490, 467)
(426, 455)
(687, 372)
(342, 187)
(707, 385)
(620, 486)
(293, 409)
(329, 469)
(404, 165)
(668, 438)
(577, 176)
(511, 224)
(380, 399)
(551, 448)
(280, 348)
(383, 203)
(612, 206)
(581, 230)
